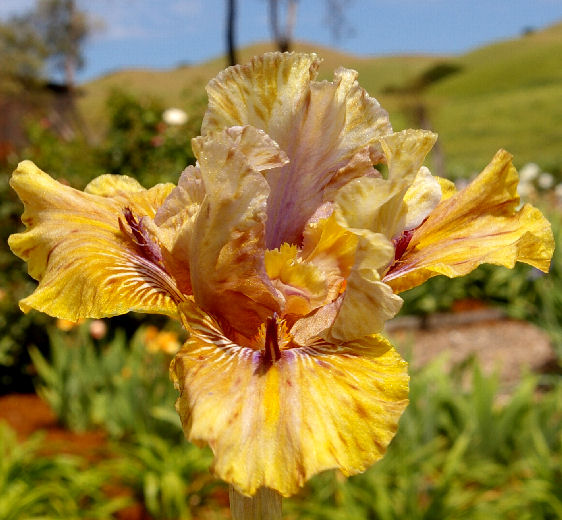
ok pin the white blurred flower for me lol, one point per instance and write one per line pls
(545, 181)
(525, 189)
(461, 184)
(529, 172)
(174, 116)
(558, 191)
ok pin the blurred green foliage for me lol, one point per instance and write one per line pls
(139, 144)
(118, 385)
(37, 486)
(458, 453)
(170, 477)
(465, 448)
(124, 388)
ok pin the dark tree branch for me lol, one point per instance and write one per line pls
(230, 32)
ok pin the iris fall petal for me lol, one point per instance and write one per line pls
(75, 247)
(275, 425)
(480, 224)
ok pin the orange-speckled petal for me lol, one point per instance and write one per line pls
(88, 263)
(326, 128)
(228, 237)
(174, 220)
(277, 424)
(480, 224)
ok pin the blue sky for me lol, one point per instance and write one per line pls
(163, 33)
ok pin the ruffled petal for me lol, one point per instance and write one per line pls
(277, 424)
(379, 204)
(88, 263)
(405, 152)
(303, 284)
(480, 224)
(174, 220)
(421, 198)
(326, 129)
(113, 185)
(228, 237)
(329, 246)
(367, 302)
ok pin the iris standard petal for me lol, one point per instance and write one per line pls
(480, 224)
(277, 424)
(377, 204)
(374, 210)
(367, 302)
(327, 129)
(174, 220)
(88, 263)
(228, 237)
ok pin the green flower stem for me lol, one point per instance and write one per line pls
(264, 505)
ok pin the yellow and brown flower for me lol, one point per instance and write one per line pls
(281, 251)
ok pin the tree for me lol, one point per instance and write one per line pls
(230, 31)
(282, 34)
(336, 19)
(64, 29)
(22, 53)
(283, 37)
(50, 36)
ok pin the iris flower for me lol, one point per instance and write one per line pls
(282, 252)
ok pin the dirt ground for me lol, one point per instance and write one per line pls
(509, 347)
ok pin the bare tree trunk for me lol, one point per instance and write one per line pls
(69, 71)
(70, 56)
(284, 38)
(274, 21)
(230, 36)
(291, 20)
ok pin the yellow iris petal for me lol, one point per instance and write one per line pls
(367, 304)
(303, 284)
(405, 152)
(74, 246)
(330, 246)
(326, 128)
(480, 224)
(275, 425)
(228, 236)
(448, 188)
(378, 204)
(375, 211)
(421, 198)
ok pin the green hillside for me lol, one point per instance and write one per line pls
(177, 87)
(508, 94)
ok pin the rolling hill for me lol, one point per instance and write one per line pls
(507, 94)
